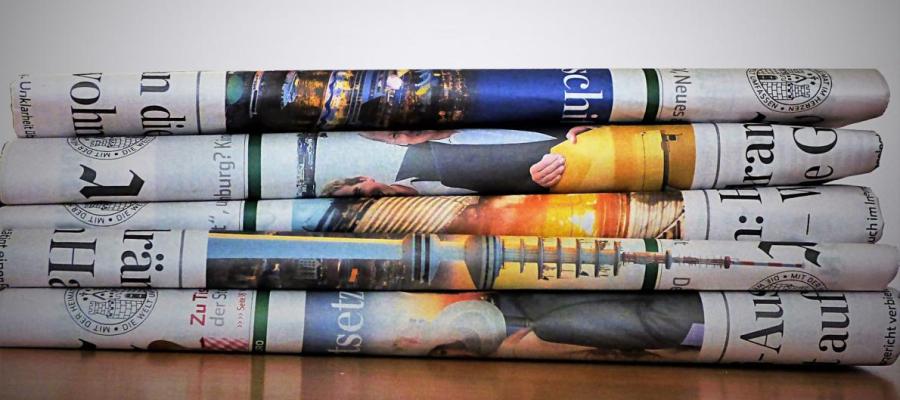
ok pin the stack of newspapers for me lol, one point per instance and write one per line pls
(593, 214)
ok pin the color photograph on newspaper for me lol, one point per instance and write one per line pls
(638, 215)
(413, 98)
(592, 326)
(451, 162)
(469, 262)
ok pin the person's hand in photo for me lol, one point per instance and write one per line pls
(549, 170)
(572, 134)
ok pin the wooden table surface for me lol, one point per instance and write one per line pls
(72, 374)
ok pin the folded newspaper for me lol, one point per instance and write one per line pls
(200, 259)
(166, 103)
(850, 328)
(831, 213)
(372, 164)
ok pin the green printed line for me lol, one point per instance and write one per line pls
(260, 322)
(652, 109)
(651, 271)
(254, 156)
(249, 216)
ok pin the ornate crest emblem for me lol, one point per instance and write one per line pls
(790, 90)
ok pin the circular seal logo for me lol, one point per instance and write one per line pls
(790, 90)
(790, 280)
(104, 214)
(109, 148)
(110, 312)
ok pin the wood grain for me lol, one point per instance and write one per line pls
(29, 374)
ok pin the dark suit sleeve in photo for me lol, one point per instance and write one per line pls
(483, 168)
(611, 321)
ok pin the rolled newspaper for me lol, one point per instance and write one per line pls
(200, 259)
(167, 103)
(849, 328)
(832, 213)
(372, 164)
